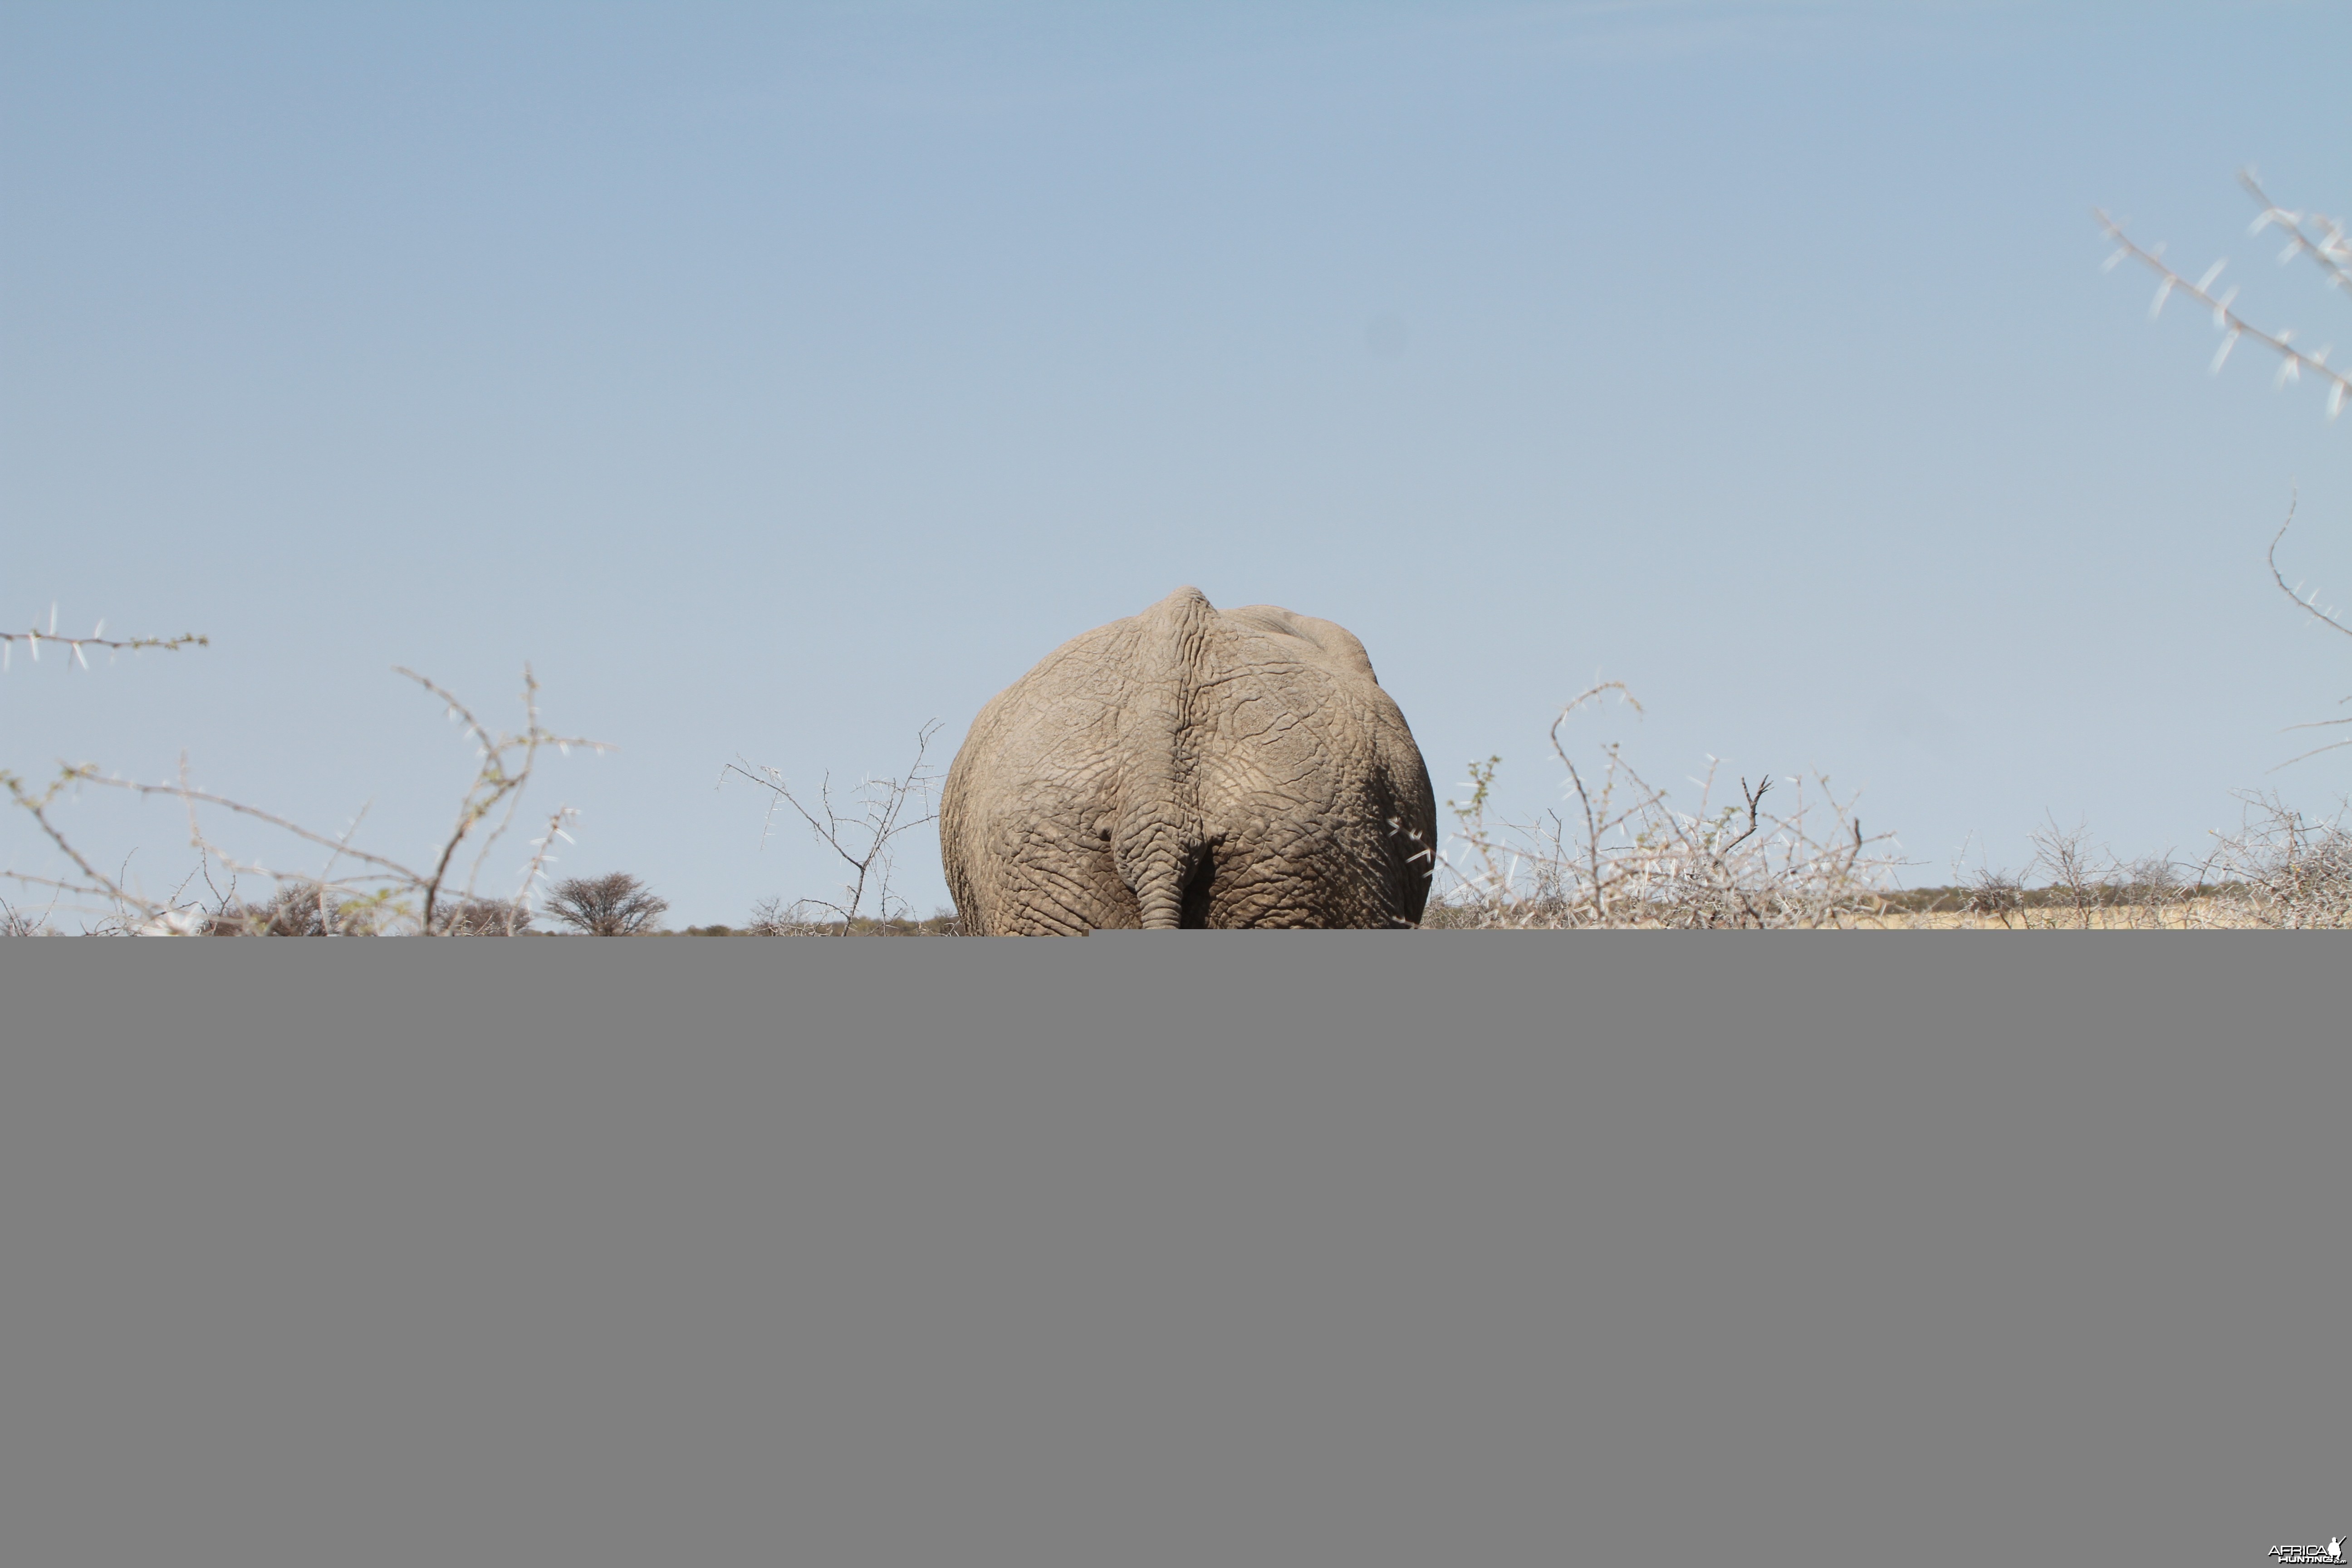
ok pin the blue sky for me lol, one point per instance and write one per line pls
(776, 378)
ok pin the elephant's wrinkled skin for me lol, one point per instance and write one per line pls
(1190, 767)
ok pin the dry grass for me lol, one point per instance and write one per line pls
(773, 917)
(2281, 870)
(2211, 912)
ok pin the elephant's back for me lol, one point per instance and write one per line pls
(1065, 710)
(1025, 806)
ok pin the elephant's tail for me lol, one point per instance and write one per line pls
(1160, 842)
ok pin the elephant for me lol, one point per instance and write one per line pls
(1190, 767)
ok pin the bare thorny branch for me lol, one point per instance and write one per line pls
(496, 781)
(2314, 235)
(2309, 234)
(78, 647)
(2284, 870)
(861, 839)
(1635, 861)
(2326, 242)
(362, 899)
(2308, 605)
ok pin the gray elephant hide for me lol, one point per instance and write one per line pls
(1190, 767)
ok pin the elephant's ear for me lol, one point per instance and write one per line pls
(1270, 618)
(1333, 647)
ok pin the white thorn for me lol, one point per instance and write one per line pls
(2227, 345)
(2206, 282)
(2163, 292)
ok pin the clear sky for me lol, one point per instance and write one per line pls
(775, 378)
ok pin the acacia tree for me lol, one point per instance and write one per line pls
(615, 905)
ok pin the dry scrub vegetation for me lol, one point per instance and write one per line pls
(1622, 854)
(1618, 852)
(351, 891)
(1786, 854)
